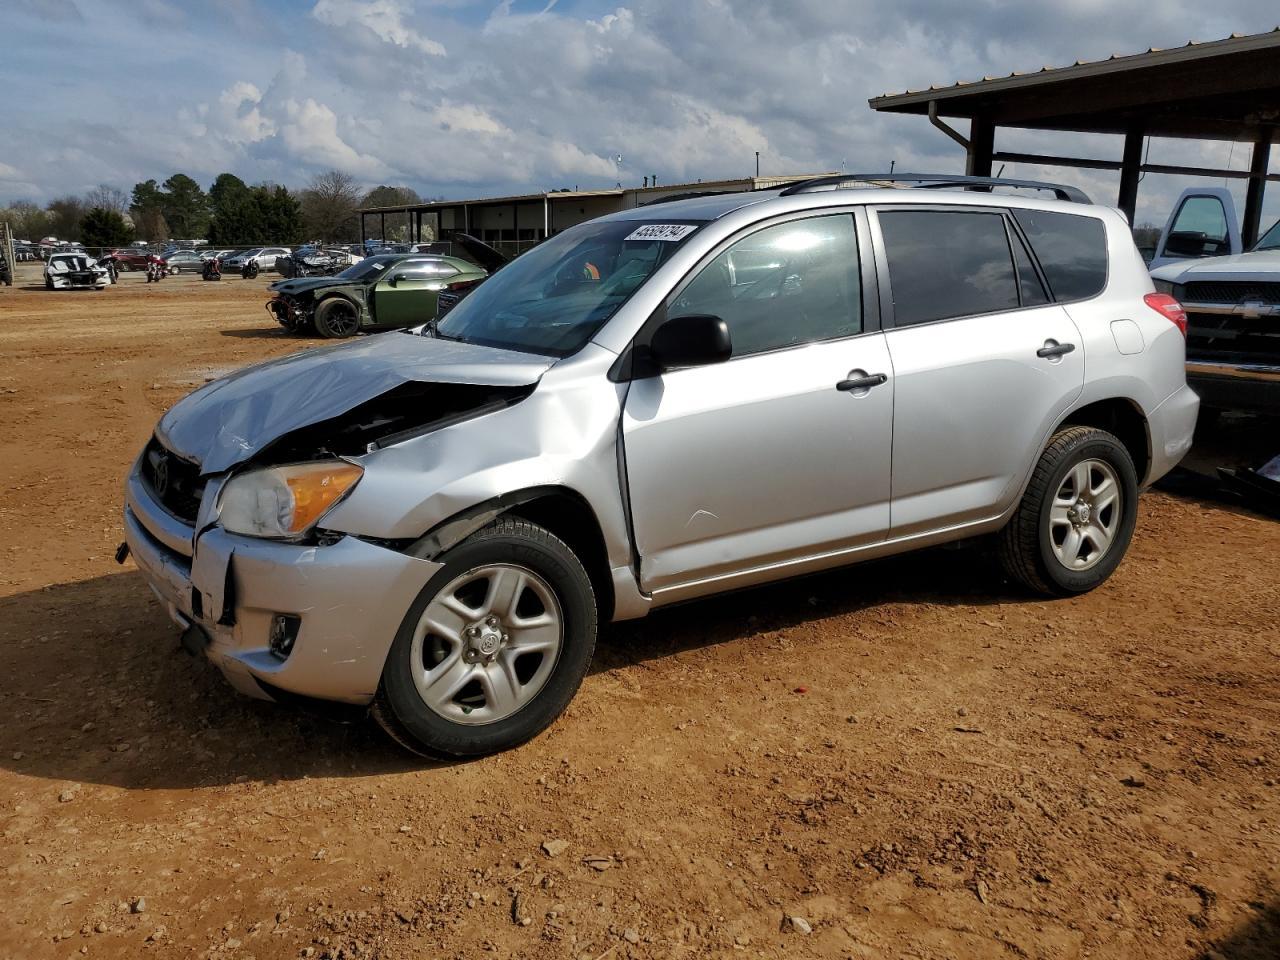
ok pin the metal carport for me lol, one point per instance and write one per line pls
(1222, 90)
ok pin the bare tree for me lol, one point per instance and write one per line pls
(107, 197)
(329, 205)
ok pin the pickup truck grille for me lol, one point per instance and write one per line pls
(175, 482)
(1231, 338)
(1228, 292)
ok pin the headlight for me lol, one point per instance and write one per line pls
(1166, 286)
(285, 501)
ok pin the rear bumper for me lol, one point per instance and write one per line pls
(1236, 386)
(1172, 425)
(350, 599)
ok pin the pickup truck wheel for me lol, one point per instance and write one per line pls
(1076, 518)
(493, 648)
(337, 319)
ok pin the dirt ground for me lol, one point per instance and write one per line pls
(910, 757)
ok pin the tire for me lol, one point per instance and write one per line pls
(468, 723)
(48, 284)
(337, 319)
(1077, 461)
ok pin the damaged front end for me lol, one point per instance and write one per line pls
(303, 611)
(295, 314)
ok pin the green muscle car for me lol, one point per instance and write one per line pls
(377, 293)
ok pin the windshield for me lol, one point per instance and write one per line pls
(367, 268)
(554, 298)
(1271, 239)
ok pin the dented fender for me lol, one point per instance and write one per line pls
(564, 435)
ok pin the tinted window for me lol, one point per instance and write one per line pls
(1072, 251)
(1029, 286)
(947, 264)
(794, 283)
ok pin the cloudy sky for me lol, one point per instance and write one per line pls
(457, 98)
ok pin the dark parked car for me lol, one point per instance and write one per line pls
(384, 292)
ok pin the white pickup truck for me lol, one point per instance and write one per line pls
(1232, 299)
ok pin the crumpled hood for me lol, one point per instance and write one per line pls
(229, 420)
(306, 284)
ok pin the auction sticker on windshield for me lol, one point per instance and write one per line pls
(662, 231)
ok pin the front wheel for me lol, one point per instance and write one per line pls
(1076, 518)
(494, 647)
(337, 319)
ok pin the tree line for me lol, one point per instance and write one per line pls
(230, 213)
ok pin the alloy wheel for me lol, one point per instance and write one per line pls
(486, 644)
(1085, 514)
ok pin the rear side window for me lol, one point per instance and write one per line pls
(945, 264)
(1072, 251)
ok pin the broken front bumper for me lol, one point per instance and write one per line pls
(349, 599)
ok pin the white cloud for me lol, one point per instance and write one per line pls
(383, 18)
(534, 94)
(310, 129)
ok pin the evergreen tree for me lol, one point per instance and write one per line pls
(237, 218)
(185, 207)
(105, 228)
(280, 212)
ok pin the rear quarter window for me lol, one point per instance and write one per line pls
(1072, 251)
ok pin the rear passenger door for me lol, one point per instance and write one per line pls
(983, 362)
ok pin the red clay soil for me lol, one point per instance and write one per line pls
(910, 758)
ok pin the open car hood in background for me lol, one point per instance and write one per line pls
(230, 420)
(478, 250)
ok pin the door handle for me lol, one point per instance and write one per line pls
(863, 383)
(1052, 349)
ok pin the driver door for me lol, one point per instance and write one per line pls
(746, 470)
(406, 294)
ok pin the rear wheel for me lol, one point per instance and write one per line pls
(337, 318)
(494, 647)
(1076, 518)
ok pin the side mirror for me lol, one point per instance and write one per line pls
(691, 341)
(393, 280)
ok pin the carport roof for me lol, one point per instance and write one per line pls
(1223, 89)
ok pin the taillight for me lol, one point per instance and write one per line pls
(1169, 308)
(459, 286)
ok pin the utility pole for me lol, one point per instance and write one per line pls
(757, 164)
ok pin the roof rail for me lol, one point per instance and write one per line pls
(936, 181)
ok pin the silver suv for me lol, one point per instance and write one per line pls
(663, 404)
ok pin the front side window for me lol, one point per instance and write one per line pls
(785, 285)
(552, 299)
(947, 263)
(1199, 229)
(1072, 251)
